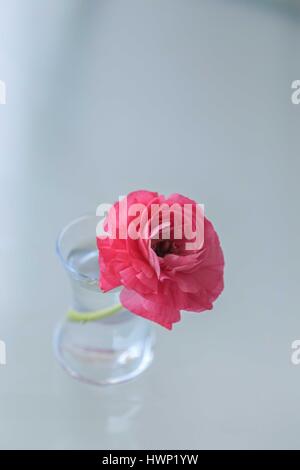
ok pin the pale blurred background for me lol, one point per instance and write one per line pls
(190, 96)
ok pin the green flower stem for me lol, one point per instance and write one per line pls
(75, 316)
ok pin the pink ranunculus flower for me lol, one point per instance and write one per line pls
(160, 270)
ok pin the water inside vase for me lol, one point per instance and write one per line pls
(84, 260)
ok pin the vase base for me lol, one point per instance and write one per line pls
(101, 366)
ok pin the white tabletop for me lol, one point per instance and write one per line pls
(193, 97)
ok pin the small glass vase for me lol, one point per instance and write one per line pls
(107, 351)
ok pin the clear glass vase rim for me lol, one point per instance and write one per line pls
(63, 259)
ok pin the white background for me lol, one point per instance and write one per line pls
(104, 97)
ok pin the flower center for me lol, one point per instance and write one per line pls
(161, 247)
